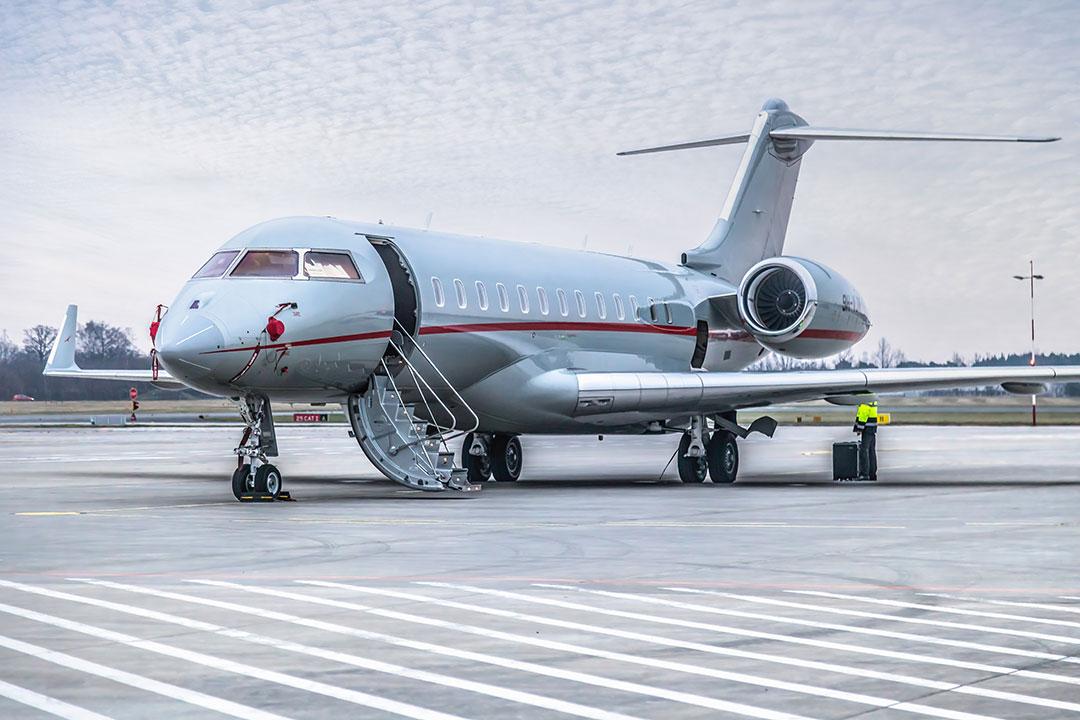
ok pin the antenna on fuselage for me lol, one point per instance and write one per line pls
(427, 223)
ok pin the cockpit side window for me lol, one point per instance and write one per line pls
(267, 263)
(332, 265)
(217, 265)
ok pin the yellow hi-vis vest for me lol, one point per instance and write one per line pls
(867, 415)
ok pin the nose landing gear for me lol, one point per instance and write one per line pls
(255, 479)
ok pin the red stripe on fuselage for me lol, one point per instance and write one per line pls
(556, 325)
(479, 327)
(314, 341)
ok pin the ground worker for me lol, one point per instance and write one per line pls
(866, 421)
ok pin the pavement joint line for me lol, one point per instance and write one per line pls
(140, 682)
(729, 630)
(562, 706)
(936, 685)
(48, 704)
(624, 657)
(961, 611)
(353, 696)
(1068, 679)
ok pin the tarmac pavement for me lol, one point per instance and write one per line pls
(132, 584)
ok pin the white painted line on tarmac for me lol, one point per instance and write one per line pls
(679, 666)
(962, 611)
(737, 677)
(1007, 603)
(1052, 677)
(729, 630)
(47, 704)
(354, 660)
(857, 613)
(226, 707)
(376, 665)
(211, 661)
(527, 698)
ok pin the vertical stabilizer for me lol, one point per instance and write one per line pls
(754, 220)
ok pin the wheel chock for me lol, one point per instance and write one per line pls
(283, 496)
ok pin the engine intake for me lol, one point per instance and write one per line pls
(801, 308)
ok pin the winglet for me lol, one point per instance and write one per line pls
(62, 356)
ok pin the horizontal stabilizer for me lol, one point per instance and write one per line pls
(723, 140)
(806, 132)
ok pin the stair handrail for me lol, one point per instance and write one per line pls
(405, 441)
(476, 418)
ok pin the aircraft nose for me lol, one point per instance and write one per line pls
(182, 343)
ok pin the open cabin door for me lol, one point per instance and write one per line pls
(401, 279)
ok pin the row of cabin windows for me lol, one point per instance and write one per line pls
(542, 304)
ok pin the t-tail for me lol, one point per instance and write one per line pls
(755, 216)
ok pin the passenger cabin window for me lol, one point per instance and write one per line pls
(652, 312)
(633, 308)
(564, 310)
(332, 265)
(601, 308)
(459, 290)
(436, 288)
(523, 299)
(504, 298)
(217, 265)
(267, 263)
(580, 300)
(667, 314)
(542, 300)
(481, 295)
(618, 306)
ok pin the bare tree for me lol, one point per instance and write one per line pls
(886, 356)
(957, 360)
(845, 359)
(101, 340)
(38, 340)
(8, 350)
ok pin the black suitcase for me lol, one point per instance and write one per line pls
(845, 461)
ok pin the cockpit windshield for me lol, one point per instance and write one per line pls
(267, 263)
(333, 265)
(217, 265)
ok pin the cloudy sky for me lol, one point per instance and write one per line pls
(136, 137)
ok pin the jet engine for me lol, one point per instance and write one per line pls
(800, 308)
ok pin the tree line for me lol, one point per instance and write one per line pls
(98, 345)
(884, 355)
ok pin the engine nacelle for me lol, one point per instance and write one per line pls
(800, 308)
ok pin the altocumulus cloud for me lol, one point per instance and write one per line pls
(137, 136)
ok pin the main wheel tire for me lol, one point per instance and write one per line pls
(268, 480)
(691, 469)
(723, 456)
(239, 481)
(479, 466)
(505, 453)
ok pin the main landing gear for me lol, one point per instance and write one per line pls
(485, 455)
(255, 479)
(715, 453)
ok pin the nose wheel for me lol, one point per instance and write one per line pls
(255, 478)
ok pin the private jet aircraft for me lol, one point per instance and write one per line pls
(425, 337)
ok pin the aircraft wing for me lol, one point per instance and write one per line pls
(61, 362)
(686, 393)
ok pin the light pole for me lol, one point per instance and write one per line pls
(1031, 277)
